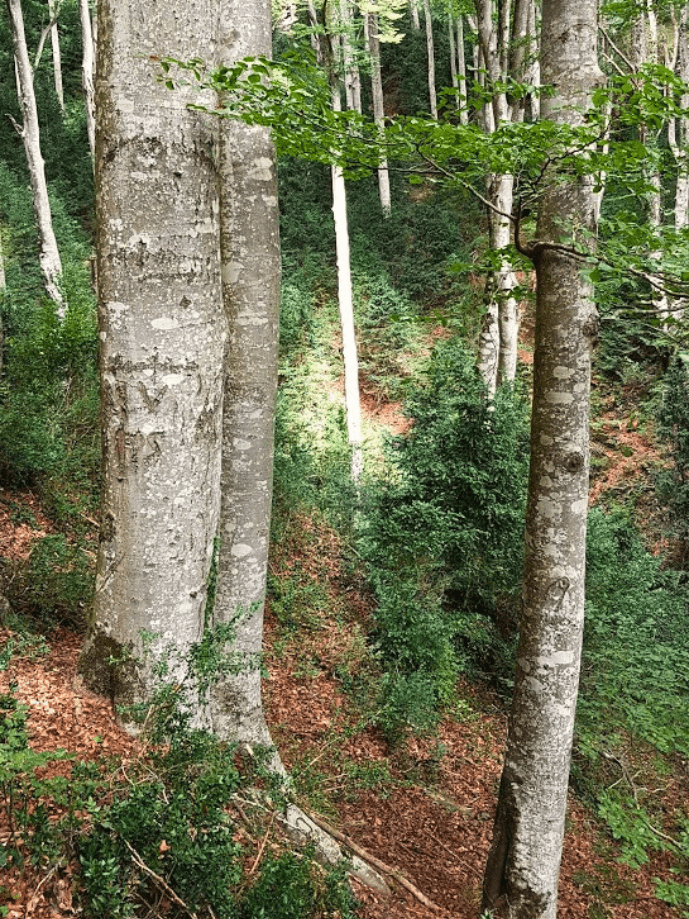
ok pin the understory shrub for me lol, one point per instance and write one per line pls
(673, 427)
(163, 829)
(443, 535)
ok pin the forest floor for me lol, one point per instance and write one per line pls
(423, 806)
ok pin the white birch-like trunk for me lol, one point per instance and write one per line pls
(497, 357)
(462, 72)
(49, 255)
(88, 72)
(431, 59)
(524, 862)
(250, 254)
(352, 77)
(378, 109)
(163, 335)
(57, 56)
(414, 10)
(678, 129)
(345, 300)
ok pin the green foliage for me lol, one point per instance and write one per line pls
(673, 426)
(55, 585)
(443, 537)
(636, 645)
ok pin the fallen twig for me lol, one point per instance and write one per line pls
(376, 862)
(140, 863)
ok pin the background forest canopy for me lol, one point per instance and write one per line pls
(432, 524)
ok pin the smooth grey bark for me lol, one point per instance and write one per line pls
(163, 334)
(523, 867)
(504, 40)
(414, 11)
(57, 55)
(250, 255)
(88, 72)
(431, 59)
(49, 256)
(352, 77)
(378, 108)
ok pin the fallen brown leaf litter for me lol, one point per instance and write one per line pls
(427, 814)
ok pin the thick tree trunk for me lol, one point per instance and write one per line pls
(49, 256)
(57, 56)
(88, 72)
(251, 292)
(163, 334)
(431, 59)
(523, 866)
(378, 109)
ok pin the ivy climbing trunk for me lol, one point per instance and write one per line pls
(163, 334)
(523, 867)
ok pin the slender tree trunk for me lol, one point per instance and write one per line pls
(462, 72)
(88, 72)
(378, 109)
(497, 359)
(57, 57)
(345, 300)
(352, 77)
(414, 10)
(523, 866)
(251, 293)
(431, 59)
(2, 331)
(49, 256)
(163, 334)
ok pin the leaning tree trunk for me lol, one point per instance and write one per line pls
(49, 255)
(163, 334)
(523, 867)
(251, 292)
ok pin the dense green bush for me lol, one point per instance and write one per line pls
(673, 426)
(636, 647)
(443, 536)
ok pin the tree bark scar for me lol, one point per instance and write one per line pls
(496, 882)
(574, 462)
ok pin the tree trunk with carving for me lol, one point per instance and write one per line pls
(523, 867)
(163, 334)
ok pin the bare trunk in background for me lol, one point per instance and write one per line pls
(523, 867)
(57, 56)
(49, 256)
(88, 72)
(431, 59)
(163, 335)
(379, 110)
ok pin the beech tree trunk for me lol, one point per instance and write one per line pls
(163, 336)
(414, 10)
(250, 254)
(352, 78)
(523, 867)
(345, 301)
(88, 72)
(503, 40)
(49, 255)
(57, 56)
(431, 59)
(378, 109)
